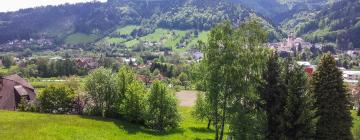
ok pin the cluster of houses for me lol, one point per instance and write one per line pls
(41, 43)
(291, 45)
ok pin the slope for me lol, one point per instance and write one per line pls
(340, 24)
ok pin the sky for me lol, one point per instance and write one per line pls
(14, 5)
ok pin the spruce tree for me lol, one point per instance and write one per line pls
(298, 114)
(332, 102)
(273, 94)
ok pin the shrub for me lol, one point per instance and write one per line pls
(162, 112)
(57, 99)
(135, 102)
(101, 88)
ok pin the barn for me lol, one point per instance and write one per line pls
(12, 89)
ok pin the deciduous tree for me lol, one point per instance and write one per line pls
(162, 110)
(100, 85)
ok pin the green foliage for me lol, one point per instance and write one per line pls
(135, 102)
(7, 61)
(57, 99)
(22, 106)
(201, 110)
(336, 23)
(82, 24)
(299, 117)
(124, 78)
(198, 77)
(162, 112)
(332, 102)
(234, 61)
(52, 68)
(100, 85)
(274, 96)
(184, 79)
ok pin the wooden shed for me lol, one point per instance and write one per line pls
(12, 89)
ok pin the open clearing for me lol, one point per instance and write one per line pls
(186, 98)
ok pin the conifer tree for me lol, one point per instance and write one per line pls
(332, 102)
(273, 95)
(298, 114)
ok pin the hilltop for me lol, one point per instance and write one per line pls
(95, 21)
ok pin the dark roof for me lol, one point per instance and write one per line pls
(21, 90)
(16, 78)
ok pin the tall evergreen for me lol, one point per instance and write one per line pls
(332, 102)
(274, 96)
(298, 114)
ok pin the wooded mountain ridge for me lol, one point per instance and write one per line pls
(338, 18)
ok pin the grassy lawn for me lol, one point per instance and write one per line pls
(79, 38)
(4, 71)
(127, 29)
(356, 126)
(24, 126)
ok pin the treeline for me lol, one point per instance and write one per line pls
(262, 97)
(57, 68)
(112, 95)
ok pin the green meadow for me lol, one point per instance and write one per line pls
(25, 126)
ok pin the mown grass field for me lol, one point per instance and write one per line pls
(169, 38)
(25, 126)
(356, 126)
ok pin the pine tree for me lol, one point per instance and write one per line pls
(298, 114)
(273, 94)
(332, 103)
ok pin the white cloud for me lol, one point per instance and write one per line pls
(13, 5)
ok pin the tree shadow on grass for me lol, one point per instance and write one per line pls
(131, 128)
(201, 130)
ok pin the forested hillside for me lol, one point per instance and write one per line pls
(100, 19)
(339, 23)
(282, 9)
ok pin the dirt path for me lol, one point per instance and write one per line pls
(186, 98)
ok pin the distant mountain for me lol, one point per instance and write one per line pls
(338, 23)
(100, 19)
(279, 10)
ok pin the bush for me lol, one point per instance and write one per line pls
(101, 88)
(7, 61)
(28, 106)
(57, 99)
(162, 112)
(135, 102)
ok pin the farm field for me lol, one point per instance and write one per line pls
(167, 37)
(46, 126)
